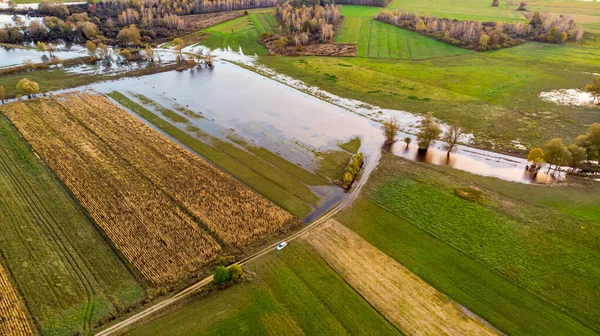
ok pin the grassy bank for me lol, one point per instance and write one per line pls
(256, 167)
(526, 269)
(68, 275)
(291, 292)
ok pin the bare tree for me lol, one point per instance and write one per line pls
(452, 136)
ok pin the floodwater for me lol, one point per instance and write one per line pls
(10, 19)
(294, 124)
(474, 161)
(17, 56)
(237, 102)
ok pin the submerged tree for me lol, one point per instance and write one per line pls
(429, 131)
(555, 153)
(452, 136)
(536, 157)
(129, 36)
(576, 156)
(594, 89)
(41, 46)
(390, 128)
(91, 48)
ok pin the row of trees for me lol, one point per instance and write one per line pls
(429, 132)
(556, 154)
(302, 23)
(162, 8)
(483, 36)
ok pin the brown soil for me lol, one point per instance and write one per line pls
(321, 49)
(404, 299)
(201, 21)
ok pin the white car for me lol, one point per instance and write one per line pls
(281, 246)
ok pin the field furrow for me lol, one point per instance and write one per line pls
(13, 318)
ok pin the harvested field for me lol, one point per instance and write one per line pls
(201, 21)
(407, 301)
(122, 171)
(322, 49)
(13, 318)
(66, 272)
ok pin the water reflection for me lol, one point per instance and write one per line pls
(474, 161)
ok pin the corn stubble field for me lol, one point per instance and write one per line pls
(13, 319)
(168, 211)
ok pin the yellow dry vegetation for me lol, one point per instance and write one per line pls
(408, 302)
(13, 319)
(163, 207)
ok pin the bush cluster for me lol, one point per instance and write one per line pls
(352, 170)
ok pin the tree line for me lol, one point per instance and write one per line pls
(577, 155)
(301, 24)
(102, 21)
(482, 36)
(429, 131)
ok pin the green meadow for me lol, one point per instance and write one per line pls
(523, 266)
(241, 34)
(290, 292)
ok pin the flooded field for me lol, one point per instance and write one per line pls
(238, 103)
(14, 19)
(17, 56)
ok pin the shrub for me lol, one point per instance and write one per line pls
(222, 275)
(352, 170)
(236, 272)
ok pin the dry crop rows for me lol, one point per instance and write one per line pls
(13, 319)
(142, 188)
(237, 214)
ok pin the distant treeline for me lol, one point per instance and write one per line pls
(301, 23)
(375, 3)
(102, 21)
(483, 36)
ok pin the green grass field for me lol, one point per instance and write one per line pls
(292, 292)
(258, 168)
(68, 275)
(494, 94)
(241, 34)
(526, 269)
(376, 39)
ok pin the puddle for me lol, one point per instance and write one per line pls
(568, 97)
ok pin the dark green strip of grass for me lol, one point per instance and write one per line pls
(231, 165)
(317, 298)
